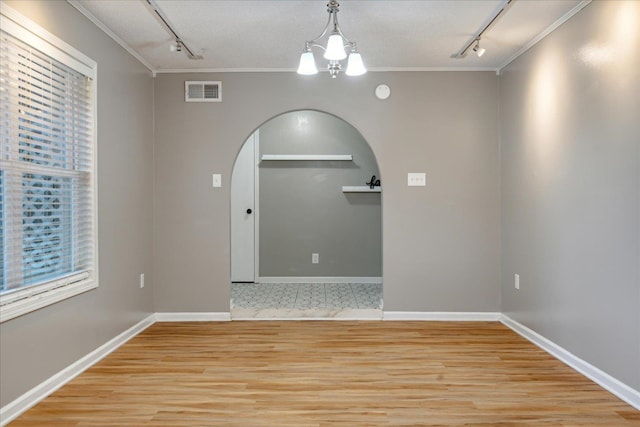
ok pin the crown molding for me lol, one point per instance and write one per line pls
(564, 18)
(91, 17)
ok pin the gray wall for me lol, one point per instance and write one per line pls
(35, 346)
(302, 207)
(440, 242)
(570, 158)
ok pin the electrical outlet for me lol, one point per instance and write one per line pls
(516, 281)
(142, 281)
(315, 258)
(416, 179)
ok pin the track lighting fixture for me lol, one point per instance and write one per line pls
(177, 47)
(479, 50)
(334, 51)
(475, 41)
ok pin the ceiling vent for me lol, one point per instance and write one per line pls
(202, 91)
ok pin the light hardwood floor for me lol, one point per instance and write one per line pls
(333, 373)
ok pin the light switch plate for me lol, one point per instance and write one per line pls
(217, 180)
(416, 179)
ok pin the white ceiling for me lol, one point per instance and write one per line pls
(270, 34)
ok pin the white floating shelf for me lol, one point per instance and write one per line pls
(330, 157)
(361, 189)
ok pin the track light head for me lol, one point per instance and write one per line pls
(177, 47)
(479, 50)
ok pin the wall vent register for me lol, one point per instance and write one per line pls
(197, 91)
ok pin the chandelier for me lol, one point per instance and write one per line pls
(334, 51)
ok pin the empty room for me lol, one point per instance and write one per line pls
(319, 212)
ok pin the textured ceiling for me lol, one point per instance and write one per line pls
(263, 34)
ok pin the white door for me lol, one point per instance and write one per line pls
(243, 213)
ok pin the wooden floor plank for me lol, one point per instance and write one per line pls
(330, 373)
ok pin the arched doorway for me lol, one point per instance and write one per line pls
(306, 225)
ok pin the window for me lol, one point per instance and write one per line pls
(47, 168)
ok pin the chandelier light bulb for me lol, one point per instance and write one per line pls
(355, 66)
(335, 48)
(307, 65)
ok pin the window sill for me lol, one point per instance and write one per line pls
(17, 308)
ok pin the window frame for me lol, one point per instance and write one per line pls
(19, 302)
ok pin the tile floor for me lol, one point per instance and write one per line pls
(259, 300)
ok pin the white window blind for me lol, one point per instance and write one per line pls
(47, 166)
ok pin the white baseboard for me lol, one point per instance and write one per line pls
(307, 319)
(12, 410)
(304, 279)
(447, 316)
(193, 317)
(606, 381)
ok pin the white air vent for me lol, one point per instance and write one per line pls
(202, 91)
